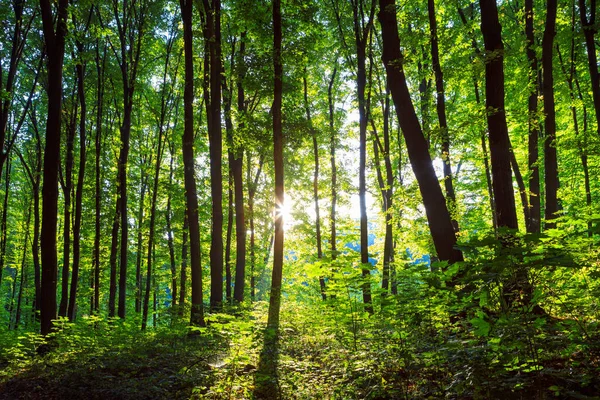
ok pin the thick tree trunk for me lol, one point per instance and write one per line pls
(212, 34)
(499, 140)
(550, 159)
(237, 170)
(55, 48)
(440, 222)
(197, 314)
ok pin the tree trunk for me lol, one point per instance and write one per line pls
(23, 271)
(100, 68)
(441, 112)
(252, 184)
(499, 140)
(237, 170)
(79, 190)
(212, 34)
(67, 187)
(361, 34)
(3, 225)
(315, 184)
(332, 146)
(276, 278)
(440, 222)
(229, 232)
(184, 253)
(589, 31)
(533, 224)
(197, 314)
(55, 48)
(139, 252)
(550, 159)
(170, 233)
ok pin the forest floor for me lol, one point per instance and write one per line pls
(323, 354)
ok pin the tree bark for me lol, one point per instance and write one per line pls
(332, 147)
(100, 68)
(496, 115)
(67, 188)
(533, 224)
(55, 49)
(550, 159)
(441, 113)
(277, 275)
(589, 31)
(440, 222)
(197, 314)
(79, 189)
(315, 184)
(212, 34)
(361, 34)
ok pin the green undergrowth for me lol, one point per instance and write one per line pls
(327, 350)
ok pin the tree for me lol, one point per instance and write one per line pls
(550, 159)
(440, 222)
(55, 49)
(212, 38)
(197, 315)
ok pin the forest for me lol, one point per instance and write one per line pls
(299, 199)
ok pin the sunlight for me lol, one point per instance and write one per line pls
(285, 211)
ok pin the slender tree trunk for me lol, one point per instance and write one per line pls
(151, 228)
(361, 35)
(67, 187)
(550, 159)
(521, 185)
(440, 222)
(100, 68)
(79, 190)
(16, 46)
(23, 270)
(252, 185)
(3, 225)
(114, 249)
(315, 184)
(139, 255)
(229, 233)
(55, 48)
(441, 112)
(170, 233)
(533, 224)
(589, 31)
(197, 314)
(184, 256)
(332, 147)
(277, 275)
